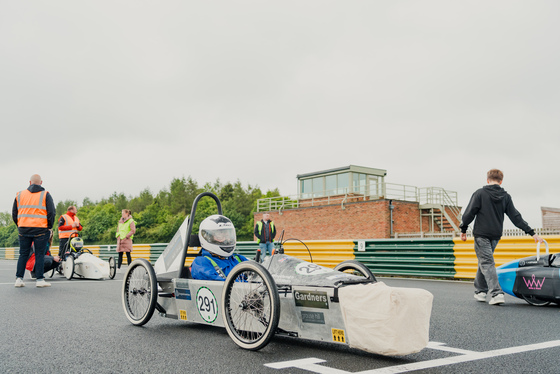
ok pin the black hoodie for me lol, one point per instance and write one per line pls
(51, 213)
(489, 204)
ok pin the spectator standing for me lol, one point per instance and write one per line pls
(68, 224)
(33, 213)
(265, 233)
(125, 233)
(488, 205)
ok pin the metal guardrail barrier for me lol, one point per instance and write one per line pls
(392, 191)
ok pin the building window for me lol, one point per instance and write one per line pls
(306, 188)
(359, 183)
(330, 184)
(342, 183)
(318, 187)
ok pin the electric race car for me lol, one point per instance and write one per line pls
(77, 261)
(535, 279)
(281, 295)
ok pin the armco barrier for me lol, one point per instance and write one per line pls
(443, 258)
(411, 257)
(510, 248)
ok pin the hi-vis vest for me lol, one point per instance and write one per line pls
(62, 234)
(260, 226)
(32, 209)
(124, 229)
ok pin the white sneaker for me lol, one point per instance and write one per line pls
(497, 300)
(19, 283)
(481, 296)
(42, 283)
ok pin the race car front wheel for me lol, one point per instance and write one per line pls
(69, 267)
(139, 292)
(533, 300)
(251, 305)
(112, 267)
(355, 268)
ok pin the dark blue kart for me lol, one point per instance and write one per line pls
(535, 279)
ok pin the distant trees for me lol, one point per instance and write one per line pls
(158, 216)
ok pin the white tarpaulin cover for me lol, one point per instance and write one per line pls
(386, 320)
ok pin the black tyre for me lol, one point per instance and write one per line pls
(60, 269)
(251, 305)
(533, 300)
(139, 292)
(112, 267)
(355, 268)
(69, 267)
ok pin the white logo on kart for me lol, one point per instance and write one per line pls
(305, 268)
(206, 304)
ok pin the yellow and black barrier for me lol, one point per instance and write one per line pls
(442, 258)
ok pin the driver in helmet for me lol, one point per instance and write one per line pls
(76, 245)
(217, 238)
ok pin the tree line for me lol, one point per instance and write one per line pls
(157, 217)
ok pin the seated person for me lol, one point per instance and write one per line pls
(51, 262)
(217, 238)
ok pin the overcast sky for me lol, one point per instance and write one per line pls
(104, 96)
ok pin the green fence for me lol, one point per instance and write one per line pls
(418, 257)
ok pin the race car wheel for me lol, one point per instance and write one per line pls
(355, 268)
(139, 292)
(69, 267)
(533, 300)
(112, 267)
(251, 305)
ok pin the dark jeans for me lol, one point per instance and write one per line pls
(128, 257)
(486, 279)
(40, 244)
(50, 263)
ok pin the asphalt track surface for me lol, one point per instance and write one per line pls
(79, 326)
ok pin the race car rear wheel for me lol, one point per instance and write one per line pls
(139, 292)
(355, 268)
(533, 300)
(112, 267)
(251, 305)
(69, 267)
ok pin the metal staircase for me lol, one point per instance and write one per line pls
(441, 209)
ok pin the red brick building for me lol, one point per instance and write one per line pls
(355, 203)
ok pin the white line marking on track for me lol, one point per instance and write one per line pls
(445, 348)
(310, 364)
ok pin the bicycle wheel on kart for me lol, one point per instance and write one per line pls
(355, 268)
(251, 305)
(112, 267)
(69, 267)
(533, 300)
(139, 292)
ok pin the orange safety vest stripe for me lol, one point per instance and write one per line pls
(32, 209)
(68, 222)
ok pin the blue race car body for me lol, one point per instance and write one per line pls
(536, 279)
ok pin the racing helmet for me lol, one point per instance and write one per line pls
(217, 235)
(76, 244)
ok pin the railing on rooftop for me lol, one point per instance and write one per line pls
(389, 191)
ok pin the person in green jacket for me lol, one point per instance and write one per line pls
(125, 233)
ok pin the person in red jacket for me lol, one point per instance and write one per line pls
(68, 224)
(51, 262)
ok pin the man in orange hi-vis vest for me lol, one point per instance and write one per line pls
(33, 213)
(68, 224)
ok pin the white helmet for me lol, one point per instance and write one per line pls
(217, 235)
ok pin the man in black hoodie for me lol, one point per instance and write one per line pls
(488, 205)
